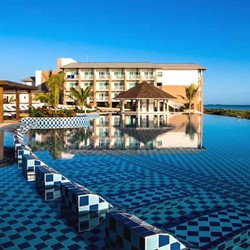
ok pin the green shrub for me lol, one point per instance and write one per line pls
(48, 112)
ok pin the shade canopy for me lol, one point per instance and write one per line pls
(17, 88)
(14, 86)
(145, 135)
(144, 90)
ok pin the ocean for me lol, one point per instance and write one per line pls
(221, 106)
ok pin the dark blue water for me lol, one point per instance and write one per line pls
(199, 196)
(234, 107)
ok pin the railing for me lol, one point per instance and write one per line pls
(104, 98)
(148, 77)
(85, 77)
(118, 77)
(121, 87)
(104, 88)
(103, 77)
(72, 77)
(133, 77)
(174, 104)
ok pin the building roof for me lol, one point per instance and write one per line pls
(14, 86)
(113, 65)
(144, 90)
(145, 135)
(176, 66)
(130, 65)
(29, 79)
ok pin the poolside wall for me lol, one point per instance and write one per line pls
(123, 231)
(56, 122)
(47, 177)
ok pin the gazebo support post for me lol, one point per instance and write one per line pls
(167, 106)
(158, 105)
(1, 105)
(30, 100)
(122, 106)
(138, 106)
(164, 106)
(17, 105)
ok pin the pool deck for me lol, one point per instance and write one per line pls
(8, 123)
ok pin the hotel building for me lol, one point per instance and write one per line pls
(110, 79)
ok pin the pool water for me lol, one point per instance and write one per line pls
(197, 191)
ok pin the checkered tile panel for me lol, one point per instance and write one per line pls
(56, 122)
(125, 231)
(28, 165)
(81, 200)
(47, 177)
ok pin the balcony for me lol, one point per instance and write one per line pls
(119, 87)
(87, 77)
(134, 77)
(102, 77)
(72, 77)
(148, 77)
(104, 88)
(118, 77)
(102, 98)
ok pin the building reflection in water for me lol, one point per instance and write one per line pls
(123, 132)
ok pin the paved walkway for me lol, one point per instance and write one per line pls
(7, 123)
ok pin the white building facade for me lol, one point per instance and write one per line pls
(109, 79)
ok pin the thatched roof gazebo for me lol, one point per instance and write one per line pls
(145, 96)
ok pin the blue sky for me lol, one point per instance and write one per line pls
(212, 33)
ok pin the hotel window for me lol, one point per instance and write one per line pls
(101, 96)
(73, 84)
(118, 73)
(103, 85)
(103, 74)
(134, 73)
(115, 94)
(72, 75)
(159, 74)
(159, 84)
(149, 73)
(87, 84)
(118, 85)
(131, 85)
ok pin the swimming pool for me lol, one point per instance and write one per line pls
(198, 191)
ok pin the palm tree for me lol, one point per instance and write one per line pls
(9, 100)
(79, 136)
(54, 85)
(54, 141)
(191, 93)
(190, 127)
(81, 95)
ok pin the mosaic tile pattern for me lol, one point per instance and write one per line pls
(81, 200)
(212, 227)
(28, 222)
(214, 183)
(140, 198)
(56, 122)
(47, 177)
(197, 200)
(124, 231)
(28, 165)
